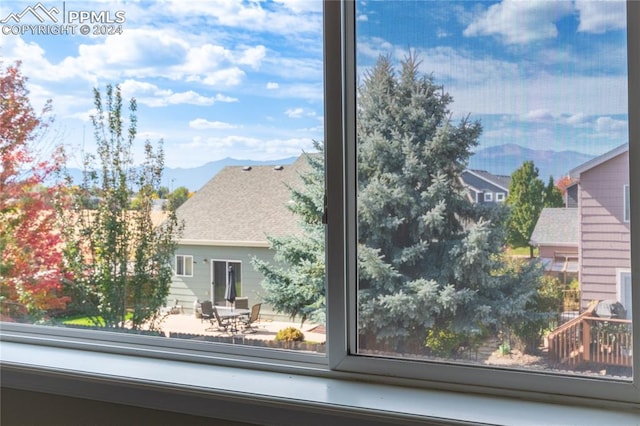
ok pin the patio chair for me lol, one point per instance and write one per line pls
(206, 308)
(242, 303)
(253, 317)
(223, 324)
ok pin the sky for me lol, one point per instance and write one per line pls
(243, 79)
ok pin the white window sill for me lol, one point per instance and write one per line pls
(266, 397)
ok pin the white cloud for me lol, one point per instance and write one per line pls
(272, 86)
(608, 124)
(294, 112)
(153, 96)
(288, 17)
(299, 6)
(252, 56)
(223, 78)
(601, 16)
(520, 22)
(538, 115)
(202, 124)
(576, 119)
(362, 18)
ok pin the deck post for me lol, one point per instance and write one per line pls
(586, 340)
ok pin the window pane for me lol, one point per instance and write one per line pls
(460, 100)
(228, 192)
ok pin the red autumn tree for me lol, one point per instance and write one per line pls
(30, 242)
(563, 183)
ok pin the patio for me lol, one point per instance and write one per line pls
(265, 329)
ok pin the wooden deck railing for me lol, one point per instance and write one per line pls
(592, 339)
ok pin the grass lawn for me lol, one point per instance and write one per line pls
(521, 251)
(87, 321)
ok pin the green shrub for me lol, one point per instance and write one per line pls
(290, 334)
(444, 343)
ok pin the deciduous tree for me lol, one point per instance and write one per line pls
(121, 260)
(552, 195)
(31, 272)
(526, 199)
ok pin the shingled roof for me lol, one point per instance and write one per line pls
(556, 226)
(243, 205)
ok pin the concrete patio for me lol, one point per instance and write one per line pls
(265, 329)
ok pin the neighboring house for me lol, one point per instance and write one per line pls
(556, 235)
(604, 229)
(226, 224)
(485, 187)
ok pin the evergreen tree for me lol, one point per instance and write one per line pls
(552, 195)
(295, 283)
(526, 199)
(429, 259)
(120, 260)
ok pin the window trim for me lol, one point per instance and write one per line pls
(448, 376)
(495, 386)
(184, 265)
(488, 197)
(626, 193)
(500, 197)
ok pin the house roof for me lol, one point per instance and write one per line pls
(243, 205)
(556, 226)
(576, 172)
(496, 180)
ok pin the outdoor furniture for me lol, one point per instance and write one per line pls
(223, 323)
(242, 303)
(206, 310)
(230, 316)
(252, 318)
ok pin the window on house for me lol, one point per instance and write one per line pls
(500, 196)
(623, 291)
(488, 196)
(439, 280)
(184, 265)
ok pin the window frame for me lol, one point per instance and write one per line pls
(184, 265)
(340, 363)
(497, 381)
(626, 193)
(500, 197)
(488, 197)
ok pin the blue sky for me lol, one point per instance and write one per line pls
(238, 79)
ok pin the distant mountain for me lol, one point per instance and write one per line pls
(195, 178)
(499, 160)
(505, 159)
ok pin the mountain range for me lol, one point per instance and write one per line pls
(499, 160)
(505, 159)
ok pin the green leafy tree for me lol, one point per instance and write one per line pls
(429, 259)
(295, 282)
(552, 195)
(526, 199)
(120, 259)
(163, 192)
(178, 197)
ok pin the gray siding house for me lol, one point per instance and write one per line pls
(604, 228)
(226, 224)
(485, 187)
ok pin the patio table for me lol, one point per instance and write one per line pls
(232, 314)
